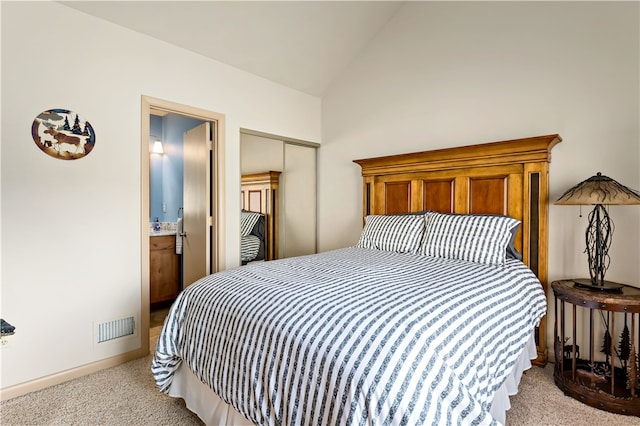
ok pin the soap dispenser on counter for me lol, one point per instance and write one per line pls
(156, 225)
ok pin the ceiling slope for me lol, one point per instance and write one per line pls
(300, 44)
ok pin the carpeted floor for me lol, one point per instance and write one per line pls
(539, 402)
(119, 396)
(126, 395)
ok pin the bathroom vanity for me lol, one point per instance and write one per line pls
(164, 265)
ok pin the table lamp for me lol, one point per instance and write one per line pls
(599, 190)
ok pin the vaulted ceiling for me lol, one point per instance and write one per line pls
(300, 44)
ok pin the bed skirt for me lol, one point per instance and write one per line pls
(215, 412)
(501, 402)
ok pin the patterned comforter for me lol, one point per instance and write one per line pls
(354, 336)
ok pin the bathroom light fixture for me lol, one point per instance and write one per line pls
(157, 148)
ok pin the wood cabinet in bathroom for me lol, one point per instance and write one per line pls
(164, 274)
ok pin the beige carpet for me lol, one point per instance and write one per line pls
(539, 402)
(126, 395)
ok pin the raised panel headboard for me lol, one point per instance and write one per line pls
(507, 177)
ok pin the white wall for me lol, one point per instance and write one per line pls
(449, 74)
(71, 229)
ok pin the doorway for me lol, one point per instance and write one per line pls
(208, 165)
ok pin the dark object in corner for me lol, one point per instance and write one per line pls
(6, 328)
(589, 378)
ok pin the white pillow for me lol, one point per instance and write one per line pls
(475, 238)
(398, 233)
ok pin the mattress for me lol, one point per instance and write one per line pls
(354, 336)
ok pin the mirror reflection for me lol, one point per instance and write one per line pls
(279, 183)
(259, 224)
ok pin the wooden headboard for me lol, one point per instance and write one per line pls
(259, 193)
(508, 177)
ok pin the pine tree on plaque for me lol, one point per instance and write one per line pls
(76, 126)
(66, 124)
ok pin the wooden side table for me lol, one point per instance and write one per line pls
(598, 366)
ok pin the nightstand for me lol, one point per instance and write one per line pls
(596, 343)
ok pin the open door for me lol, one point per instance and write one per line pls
(208, 165)
(197, 222)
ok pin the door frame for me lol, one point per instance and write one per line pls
(217, 194)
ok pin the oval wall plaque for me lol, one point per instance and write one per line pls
(63, 134)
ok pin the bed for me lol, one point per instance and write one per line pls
(417, 323)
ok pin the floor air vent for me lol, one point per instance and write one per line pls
(115, 329)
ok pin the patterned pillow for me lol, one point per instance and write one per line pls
(476, 238)
(248, 221)
(249, 247)
(398, 233)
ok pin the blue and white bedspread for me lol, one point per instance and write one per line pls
(354, 336)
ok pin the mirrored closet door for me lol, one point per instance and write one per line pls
(295, 197)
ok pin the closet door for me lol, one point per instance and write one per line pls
(299, 188)
(297, 192)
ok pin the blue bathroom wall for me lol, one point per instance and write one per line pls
(155, 170)
(171, 176)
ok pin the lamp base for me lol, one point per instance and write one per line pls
(608, 286)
